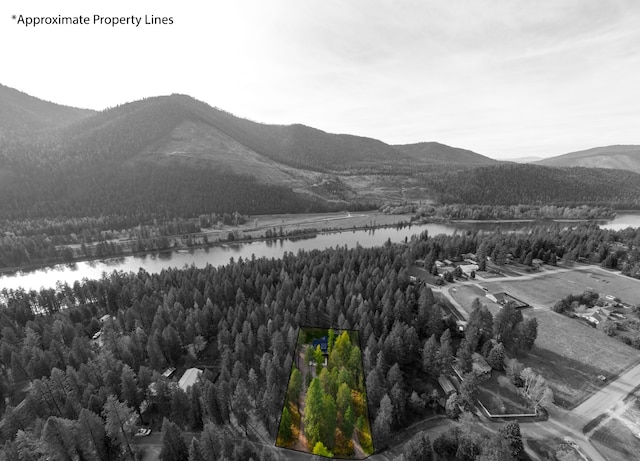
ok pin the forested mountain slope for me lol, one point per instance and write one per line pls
(169, 156)
(513, 184)
(618, 157)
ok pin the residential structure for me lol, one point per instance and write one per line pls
(189, 378)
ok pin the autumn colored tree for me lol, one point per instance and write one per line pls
(321, 450)
(295, 386)
(314, 412)
(285, 425)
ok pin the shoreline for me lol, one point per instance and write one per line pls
(303, 233)
(311, 233)
(526, 220)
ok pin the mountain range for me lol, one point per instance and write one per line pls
(74, 161)
(617, 157)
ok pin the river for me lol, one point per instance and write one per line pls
(47, 277)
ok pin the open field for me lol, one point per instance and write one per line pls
(570, 355)
(616, 442)
(257, 225)
(548, 289)
(321, 221)
(465, 294)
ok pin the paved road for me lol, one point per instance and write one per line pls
(609, 395)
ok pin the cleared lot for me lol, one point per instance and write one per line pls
(548, 289)
(571, 355)
(568, 353)
(616, 442)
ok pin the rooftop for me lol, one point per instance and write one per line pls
(189, 378)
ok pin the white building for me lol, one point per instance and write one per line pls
(189, 378)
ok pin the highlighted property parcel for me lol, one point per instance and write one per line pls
(325, 409)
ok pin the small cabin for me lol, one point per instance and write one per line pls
(323, 343)
(481, 368)
(168, 372)
(446, 385)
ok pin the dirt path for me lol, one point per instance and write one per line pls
(358, 452)
(301, 443)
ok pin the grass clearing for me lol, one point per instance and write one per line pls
(570, 355)
(500, 397)
(465, 294)
(616, 442)
(548, 289)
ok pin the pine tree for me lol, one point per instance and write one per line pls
(173, 446)
(120, 423)
(348, 422)
(329, 421)
(295, 386)
(464, 356)
(445, 356)
(344, 398)
(285, 425)
(195, 454)
(496, 357)
(382, 423)
(429, 356)
(319, 359)
(92, 432)
(313, 412)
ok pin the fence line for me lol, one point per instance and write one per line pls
(523, 415)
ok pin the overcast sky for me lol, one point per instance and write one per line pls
(505, 78)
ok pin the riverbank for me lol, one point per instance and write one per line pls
(527, 221)
(288, 230)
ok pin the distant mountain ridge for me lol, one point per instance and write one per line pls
(621, 157)
(174, 155)
(155, 118)
(515, 184)
(20, 112)
(434, 152)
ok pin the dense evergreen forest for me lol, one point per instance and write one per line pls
(139, 195)
(504, 212)
(240, 323)
(517, 184)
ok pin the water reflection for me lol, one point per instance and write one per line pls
(275, 248)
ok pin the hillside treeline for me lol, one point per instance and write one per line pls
(550, 243)
(491, 212)
(144, 194)
(514, 184)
